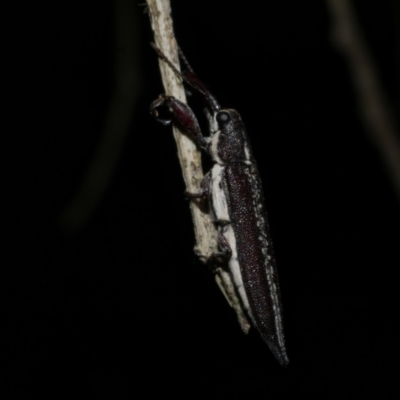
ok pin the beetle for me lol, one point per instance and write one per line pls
(234, 192)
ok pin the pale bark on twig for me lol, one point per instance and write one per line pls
(373, 104)
(188, 153)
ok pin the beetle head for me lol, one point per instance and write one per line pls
(229, 141)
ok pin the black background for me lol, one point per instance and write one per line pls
(123, 309)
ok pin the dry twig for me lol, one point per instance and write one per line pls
(189, 155)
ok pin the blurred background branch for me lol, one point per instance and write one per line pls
(374, 107)
(127, 87)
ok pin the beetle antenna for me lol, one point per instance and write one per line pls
(190, 77)
(193, 80)
(164, 57)
(184, 59)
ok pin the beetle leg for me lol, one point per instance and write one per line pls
(223, 256)
(204, 189)
(182, 115)
(159, 102)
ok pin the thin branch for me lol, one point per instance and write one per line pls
(188, 153)
(373, 104)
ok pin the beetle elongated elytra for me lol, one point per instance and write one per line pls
(234, 191)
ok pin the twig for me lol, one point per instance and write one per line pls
(374, 107)
(189, 155)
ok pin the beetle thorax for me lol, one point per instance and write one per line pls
(228, 143)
